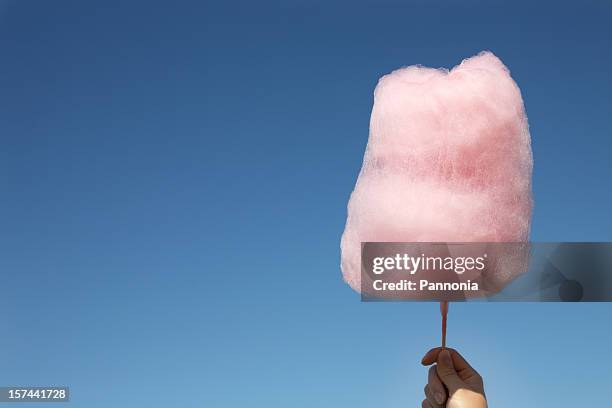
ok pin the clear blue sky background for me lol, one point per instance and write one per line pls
(174, 179)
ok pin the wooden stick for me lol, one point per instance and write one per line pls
(444, 312)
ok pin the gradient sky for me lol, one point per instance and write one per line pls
(174, 179)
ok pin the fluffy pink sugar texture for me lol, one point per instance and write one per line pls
(448, 160)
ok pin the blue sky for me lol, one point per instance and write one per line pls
(174, 185)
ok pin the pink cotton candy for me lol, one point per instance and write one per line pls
(448, 160)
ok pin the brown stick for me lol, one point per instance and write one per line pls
(444, 312)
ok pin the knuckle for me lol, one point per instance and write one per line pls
(433, 375)
(479, 381)
(445, 371)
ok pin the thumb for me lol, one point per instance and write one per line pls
(446, 371)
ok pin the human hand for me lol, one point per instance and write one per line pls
(452, 383)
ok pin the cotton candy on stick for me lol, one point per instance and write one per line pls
(448, 160)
